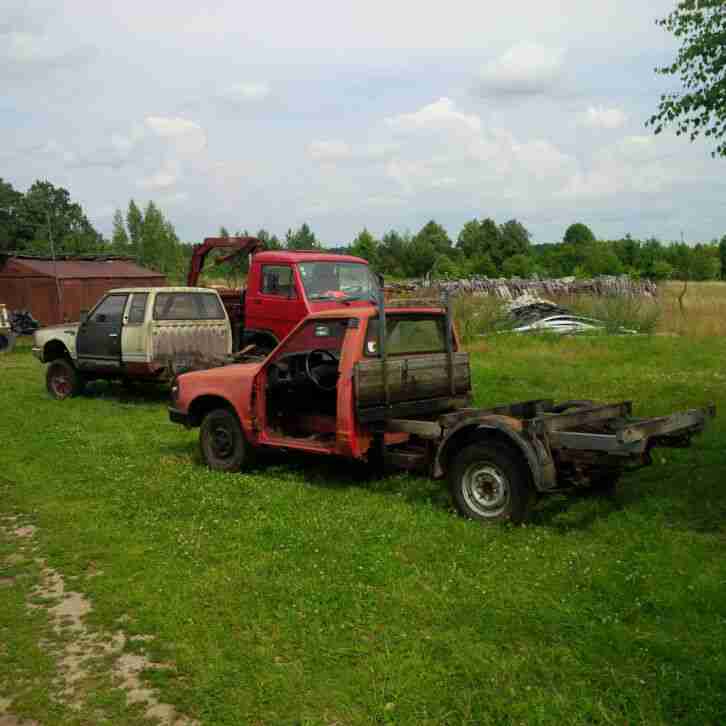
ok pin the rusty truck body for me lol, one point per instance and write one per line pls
(392, 386)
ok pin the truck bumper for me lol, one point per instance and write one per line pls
(179, 417)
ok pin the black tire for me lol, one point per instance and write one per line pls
(604, 483)
(63, 380)
(222, 441)
(7, 342)
(490, 482)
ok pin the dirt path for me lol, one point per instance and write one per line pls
(81, 654)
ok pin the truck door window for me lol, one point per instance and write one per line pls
(407, 335)
(138, 308)
(110, 309)
(277, 280)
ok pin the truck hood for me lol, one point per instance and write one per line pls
(43, 335)
(222, 374)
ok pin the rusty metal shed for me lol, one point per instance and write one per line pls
(57, 291)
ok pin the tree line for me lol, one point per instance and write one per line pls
(30, 221)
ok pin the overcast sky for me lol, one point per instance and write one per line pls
(384, 113)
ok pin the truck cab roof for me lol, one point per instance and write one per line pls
(289, 256)
(128, 290)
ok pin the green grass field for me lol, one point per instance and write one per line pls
(302, 593)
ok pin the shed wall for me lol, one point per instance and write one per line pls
(39, 294)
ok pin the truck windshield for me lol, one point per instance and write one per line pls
(406, 335)
(337, 280)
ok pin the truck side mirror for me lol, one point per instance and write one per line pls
(84, 316)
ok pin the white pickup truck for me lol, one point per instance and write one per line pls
(134, 333)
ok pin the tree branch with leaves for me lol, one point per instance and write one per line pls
(700, 108)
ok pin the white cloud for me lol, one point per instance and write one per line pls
(600, 117)
(328, 151)
(188, 137)
(439, 115)
(162, 179)
(524, 69)
(246, 92)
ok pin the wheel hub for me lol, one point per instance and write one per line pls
(486, 489)
(61, 384)
(222, 442)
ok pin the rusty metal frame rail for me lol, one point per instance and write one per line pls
(548, 423)
(635, 437)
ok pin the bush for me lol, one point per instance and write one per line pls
(620, 312)
(477, 315)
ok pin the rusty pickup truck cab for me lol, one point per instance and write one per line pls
(142, 333)
(391, 385)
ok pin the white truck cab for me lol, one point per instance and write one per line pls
(134, 333)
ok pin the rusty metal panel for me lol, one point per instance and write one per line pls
(79, 269)
(28, 283)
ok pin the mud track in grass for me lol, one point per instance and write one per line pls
(83, 656)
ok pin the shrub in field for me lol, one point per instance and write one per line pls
(619, 312)
(477, 315)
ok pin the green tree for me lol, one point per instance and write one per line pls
(134, 224)
(47, 211)
(393, 254)
(9, 202)
(705, 263)
(119, 236)
(365, 246)
(301, 239)
(270, 241)
(434, 235)
(514, 240)
(578, 234)
(481, 265)
(722, 255)
(599, 259)
(700, 108)
(469, 240)
(661, 270)
(519, 265)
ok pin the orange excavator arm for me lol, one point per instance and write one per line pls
(235, 245)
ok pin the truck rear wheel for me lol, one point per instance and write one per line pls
(223, 444)
(62, 379)
(489, 482)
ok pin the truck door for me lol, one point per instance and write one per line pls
(273, 303)
(99, 337)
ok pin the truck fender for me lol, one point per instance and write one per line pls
(55, 349)
(504, 428)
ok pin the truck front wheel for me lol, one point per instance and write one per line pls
(490, 483)
(63, 380)
(223, 444)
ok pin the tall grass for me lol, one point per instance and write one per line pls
(702, 312)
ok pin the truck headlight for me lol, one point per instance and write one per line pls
(174, 391)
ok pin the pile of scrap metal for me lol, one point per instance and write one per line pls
(530, 314)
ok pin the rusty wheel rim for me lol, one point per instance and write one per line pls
(61, 383)
(486, 490)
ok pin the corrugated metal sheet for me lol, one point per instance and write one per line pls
(29, 284)
(76, 269)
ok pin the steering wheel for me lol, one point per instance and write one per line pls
(310, 368)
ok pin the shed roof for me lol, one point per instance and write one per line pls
(75, 269)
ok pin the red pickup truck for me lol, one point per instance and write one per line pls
(283, 287)
(391, 385)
